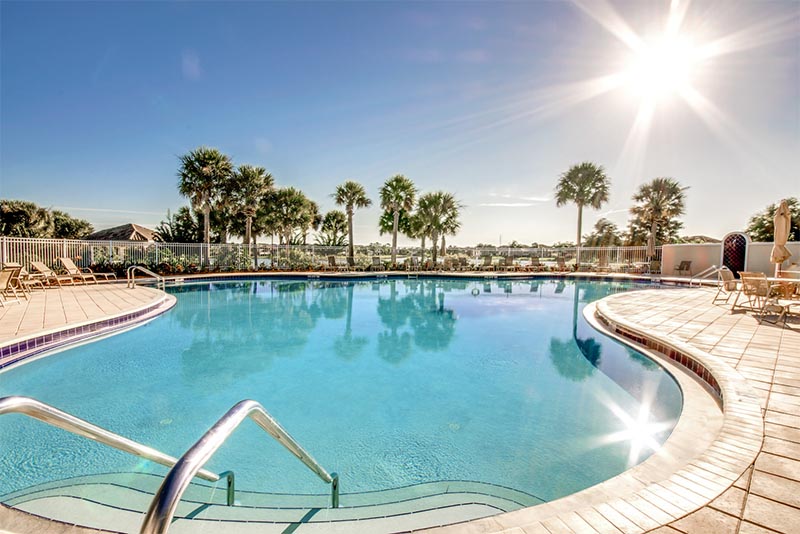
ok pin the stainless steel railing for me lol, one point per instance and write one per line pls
(70, 423)
(159, 515)
(160, 280)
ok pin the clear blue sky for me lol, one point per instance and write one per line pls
(488, 100)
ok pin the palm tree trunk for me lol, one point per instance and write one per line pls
(444, 247)
(395, 224)
(207, 232)
(435, 239)
(422, 259)
(350, 249)
(578, 241)
(247, 230)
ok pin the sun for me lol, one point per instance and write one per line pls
(662, 67)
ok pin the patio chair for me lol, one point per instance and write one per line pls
(655, 267)
(7, 287)
(463, 264)
(685, 267)
(602, 265)
(727, 284)
(487, 264)
(376, 264)
(71, 268)
(49, 276)
(412, 264)
(535, 265)
(755, 287)
(561, 265)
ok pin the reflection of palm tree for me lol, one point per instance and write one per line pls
(394, 346)
(432, 323)
(569, 357)
(348, 346)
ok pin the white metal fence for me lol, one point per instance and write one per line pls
(191, 257)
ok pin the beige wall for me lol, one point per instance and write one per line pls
(758, 257)
(708, 254)
(702, 257)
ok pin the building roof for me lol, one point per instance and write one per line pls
(125, 232)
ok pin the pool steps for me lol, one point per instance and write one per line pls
(117, 502)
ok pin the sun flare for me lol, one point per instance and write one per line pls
(662, 67)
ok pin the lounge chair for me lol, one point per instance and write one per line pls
(727, 284)
(561, 265)
(655, 267)
(24, 280)
(76, 273)
(352, 266)
(508, 264)
(685, 267)
(7, 286)
(376, 264)
(73, 269)
(487, 264)
(412, 264)
(49, 276)
(535, 265)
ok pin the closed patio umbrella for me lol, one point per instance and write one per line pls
(782, 221)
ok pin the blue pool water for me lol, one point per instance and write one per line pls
(387, 382)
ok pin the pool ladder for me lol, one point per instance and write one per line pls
(161, 282)
(187, 467)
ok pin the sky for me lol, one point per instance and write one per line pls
(491, 101)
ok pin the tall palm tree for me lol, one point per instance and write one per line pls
(437, 214)
(659, 203)
(397, 195)
(250, 186)
(203, 175)
(351, 195)
(585, 184)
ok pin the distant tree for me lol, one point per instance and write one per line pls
(761, 225)
(204, 176)
(333, 231)
(351, 195)
(605, 234)
(585, 184)
(179, 227)
(290, 212)
(19, 218)
(659, 204)
(68, 227)
(249, 187)
(638, 231)
(397, 196)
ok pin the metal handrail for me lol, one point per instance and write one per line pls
(160, 280)
(705, 273)
(70, 423)
(159, 514)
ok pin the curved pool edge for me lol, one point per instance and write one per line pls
(683, 476)
(45, 342)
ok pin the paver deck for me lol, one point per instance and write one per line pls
(767, 497)
(55, 308)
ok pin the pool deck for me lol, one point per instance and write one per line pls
(761, 445)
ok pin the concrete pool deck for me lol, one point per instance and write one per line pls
(766, 358)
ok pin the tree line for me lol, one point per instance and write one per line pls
(245, 202)
(20, 218)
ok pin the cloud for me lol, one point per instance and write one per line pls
(532, 199)
(424, 55)
(263, 145)
(508, 204)
(190, 65)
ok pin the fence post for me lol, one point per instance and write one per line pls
(4, 250)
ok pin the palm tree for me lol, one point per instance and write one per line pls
(585, 184)
(397, 195)
(204, 173)
(351, 195)
(437, 215)
(250, 186)
(659, 203)
(333, 230)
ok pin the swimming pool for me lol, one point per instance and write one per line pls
(389, 382)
